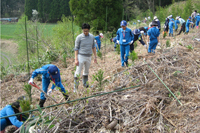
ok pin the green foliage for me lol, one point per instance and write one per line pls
(118, 49)
(99, 78)
(176, 73)
(29, 5)
(99, 54)
(63, 40)
(190, 47)
(94, 13)
(27, 89)
(165, 34)
(168, 43)
(135, 44)
(133, 56)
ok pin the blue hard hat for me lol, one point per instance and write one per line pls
(53, 71)
(123, 23)
(136, 32)
(190, 17)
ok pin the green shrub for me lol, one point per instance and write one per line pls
(133, 56)
(118, 49)
(99, 54)
(168, 43)
(190, 47)
(135, 44)
(27, 89)
(99, 78)
(165, 34)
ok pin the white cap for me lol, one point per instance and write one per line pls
(170, 16)
(101, 34)
(155, 17)
(197, 14)
(177, 17)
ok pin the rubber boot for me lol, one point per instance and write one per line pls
(41, 103)
(172, 35)
(76, 83)
(85, 81)
(66, 97)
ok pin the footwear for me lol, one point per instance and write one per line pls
(85, 81)
(169, 34)
(126, 64)
(172, 35)
(66, 97)
(41, 103)
(76, 83)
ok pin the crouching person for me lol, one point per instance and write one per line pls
(84, 47)
(153, 36)
(49, 73)
(12, 109)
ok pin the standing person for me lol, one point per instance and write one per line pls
(84, 47)
(12, 109)
(115, 41)
(171, 24)
(98, 41)
(153, 36)
(188, 25)
(197, 18)
(158, 22)
(182, 22)
(176, 23)
(137, 36)
(125, 39)
(49, 73)
(166, 26)
(193, 15)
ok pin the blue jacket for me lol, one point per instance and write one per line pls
(197, 18)
(115, 40)
(98, 39)
(8, 110)
(45, 75)
(171, 23)
(128, 36)
(188, 22)
(158, 22)
(176, 24)
(153, 33)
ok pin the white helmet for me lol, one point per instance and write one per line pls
(155, 17)
(170, 16)
(197, 14)
(177, 17)
(101, 34)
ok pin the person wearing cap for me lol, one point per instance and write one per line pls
(171, 24)
(84, 47)
(166, 26)
(153, 36)
(158, 22)
(115, 41)
(125, 38)
(98, 41)
(12, 109)
(144, 29)
(49, 73)
(188, 25)
(193, 15)
(176, 23)
(137, 36)
(197, 18)
(182, 22)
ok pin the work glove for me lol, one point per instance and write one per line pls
(142, 32)
(130, 42)
(159, 44)
(30, 81)
(145, 46)
(49, 92)
(117, 41)
(139, 38)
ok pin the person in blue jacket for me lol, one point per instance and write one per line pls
(137, 36)
(153, 36)
(145, 29)
(125, 39)
(12, 109)
(158, 22)
(197, 18)
(171, 24)
(176, 23)
(98, 41)
(49, 73)
(188, 25)
(115, 41)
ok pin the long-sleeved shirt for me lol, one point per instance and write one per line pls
(125, 35)
(8, 110)
(45, 75)
(115, 40)
(98, 39)
(171, 24)
(176, 24)
(181, 20)
(153, 33)
(84, 44)
(189, 22)
(193, 15)
(197, 18)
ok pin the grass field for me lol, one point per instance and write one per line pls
(8, 30)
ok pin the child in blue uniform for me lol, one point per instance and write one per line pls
(49, 72)
(176, 23)
(197, 18)
(125, 39)
(171, 24)
(12, 109)
(98, 41)
(188, 24)
(153, 36)
(115, 41)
